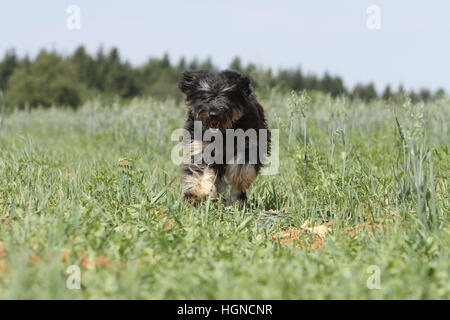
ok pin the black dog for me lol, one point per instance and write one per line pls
(221, 101)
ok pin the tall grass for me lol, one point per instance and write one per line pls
(96, 188)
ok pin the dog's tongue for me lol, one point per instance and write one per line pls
(214, 124)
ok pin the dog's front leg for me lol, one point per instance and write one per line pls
(240, 177)
(198, 182)
(221, 187)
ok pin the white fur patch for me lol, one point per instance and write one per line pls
(204, 86)
(200, 185)
(227, 88)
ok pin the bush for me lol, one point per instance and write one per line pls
(48, 81)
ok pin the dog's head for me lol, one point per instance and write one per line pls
(217, 99)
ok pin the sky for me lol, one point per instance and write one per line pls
(411, 46)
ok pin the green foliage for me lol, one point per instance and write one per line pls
(52, 79)
(7, 67)
(49, 80)
(365, 92)
(115, 76)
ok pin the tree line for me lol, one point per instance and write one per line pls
(55, 79)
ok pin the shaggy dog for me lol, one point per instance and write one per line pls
(221, 101)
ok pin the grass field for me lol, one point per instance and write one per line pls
(96, 188)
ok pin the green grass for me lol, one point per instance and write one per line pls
(96, 188)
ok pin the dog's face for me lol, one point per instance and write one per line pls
(215, 99)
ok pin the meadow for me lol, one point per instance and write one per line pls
(358, 209)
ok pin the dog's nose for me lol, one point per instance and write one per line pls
(213, 114)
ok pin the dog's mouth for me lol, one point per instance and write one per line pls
(214, 124)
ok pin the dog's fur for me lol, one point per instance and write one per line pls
(220, 100)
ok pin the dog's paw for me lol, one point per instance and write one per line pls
(192, 198)
(231, 201)
(195, 199)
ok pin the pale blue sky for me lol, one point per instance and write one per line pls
(412, 47)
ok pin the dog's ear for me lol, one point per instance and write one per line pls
(241, 81)
(189, 80)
